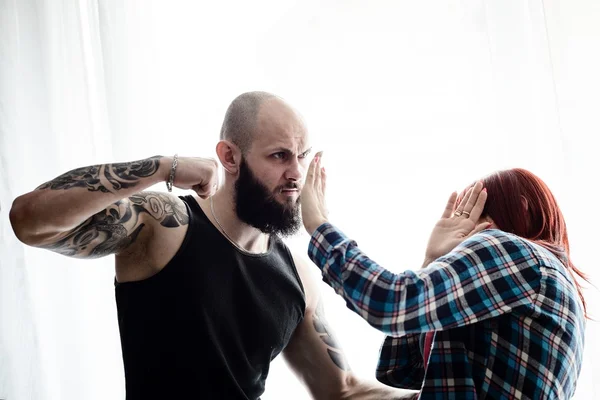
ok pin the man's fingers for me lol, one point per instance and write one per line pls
(205, 191)
(200, 191)
(449, 206)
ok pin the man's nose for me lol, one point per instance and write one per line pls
(295, 172)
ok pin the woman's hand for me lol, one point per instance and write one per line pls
(312, 198)
(457, 225)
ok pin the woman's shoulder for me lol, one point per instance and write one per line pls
(506, 241)
(493, 255)
(496, 238)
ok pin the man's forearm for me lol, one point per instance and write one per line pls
(69, 199)
(369, 390)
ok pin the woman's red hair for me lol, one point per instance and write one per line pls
(519, 202)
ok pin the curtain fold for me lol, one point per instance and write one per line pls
(405, 97)
(53, 118)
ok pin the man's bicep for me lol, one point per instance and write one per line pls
(121, 225)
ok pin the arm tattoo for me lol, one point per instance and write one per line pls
(119, 175)
(333, 349)
(161, 206)
(116, 227)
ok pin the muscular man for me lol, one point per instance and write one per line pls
(207, 293)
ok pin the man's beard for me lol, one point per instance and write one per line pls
(257, 206)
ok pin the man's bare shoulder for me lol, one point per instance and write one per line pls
(163, 222)
(309, 277)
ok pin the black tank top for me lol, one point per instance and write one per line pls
(209, 323)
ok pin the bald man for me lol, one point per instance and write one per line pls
(207, 292)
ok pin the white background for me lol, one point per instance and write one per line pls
(409, 100)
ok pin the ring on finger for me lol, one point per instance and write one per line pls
(458, 213)
(468, 214)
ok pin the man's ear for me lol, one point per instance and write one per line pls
(230, 156)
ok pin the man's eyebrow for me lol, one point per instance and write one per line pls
(288, 151)
(280, 150)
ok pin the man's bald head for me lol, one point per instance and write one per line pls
(241, 118)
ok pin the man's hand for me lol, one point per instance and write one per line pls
(457, 225)
(198, 174)
(372, 390)
(314, 211)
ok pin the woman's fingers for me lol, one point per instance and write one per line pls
(472, 198)
(477, 209)
(463, 202)
(318, 171)
(450, 206)
(471, 205)
(479, 228)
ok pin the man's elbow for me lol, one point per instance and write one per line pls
(351, 385)
(21, 220)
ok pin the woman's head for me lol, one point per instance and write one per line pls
(521, 203)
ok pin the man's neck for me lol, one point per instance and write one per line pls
(224, 217)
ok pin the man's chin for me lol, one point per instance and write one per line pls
(286, 198)
(282, 231)
(288, 202)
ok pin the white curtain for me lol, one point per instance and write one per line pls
(409, 100)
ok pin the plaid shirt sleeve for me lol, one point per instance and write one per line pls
(487, 275)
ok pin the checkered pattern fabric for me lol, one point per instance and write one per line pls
(507, 319)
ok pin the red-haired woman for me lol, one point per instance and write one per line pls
(496, 312)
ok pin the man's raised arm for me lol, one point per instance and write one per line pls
(100, 209)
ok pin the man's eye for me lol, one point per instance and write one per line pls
(280, 155)
(304, 155)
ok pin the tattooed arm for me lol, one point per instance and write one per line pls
(318, 360)
(115, 228)
(101, 209)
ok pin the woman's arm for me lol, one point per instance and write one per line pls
(487, 275)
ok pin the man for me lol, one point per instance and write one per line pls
(207, 293)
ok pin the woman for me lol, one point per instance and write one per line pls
(495, 312)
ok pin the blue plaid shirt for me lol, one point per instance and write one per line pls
(507, 319)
